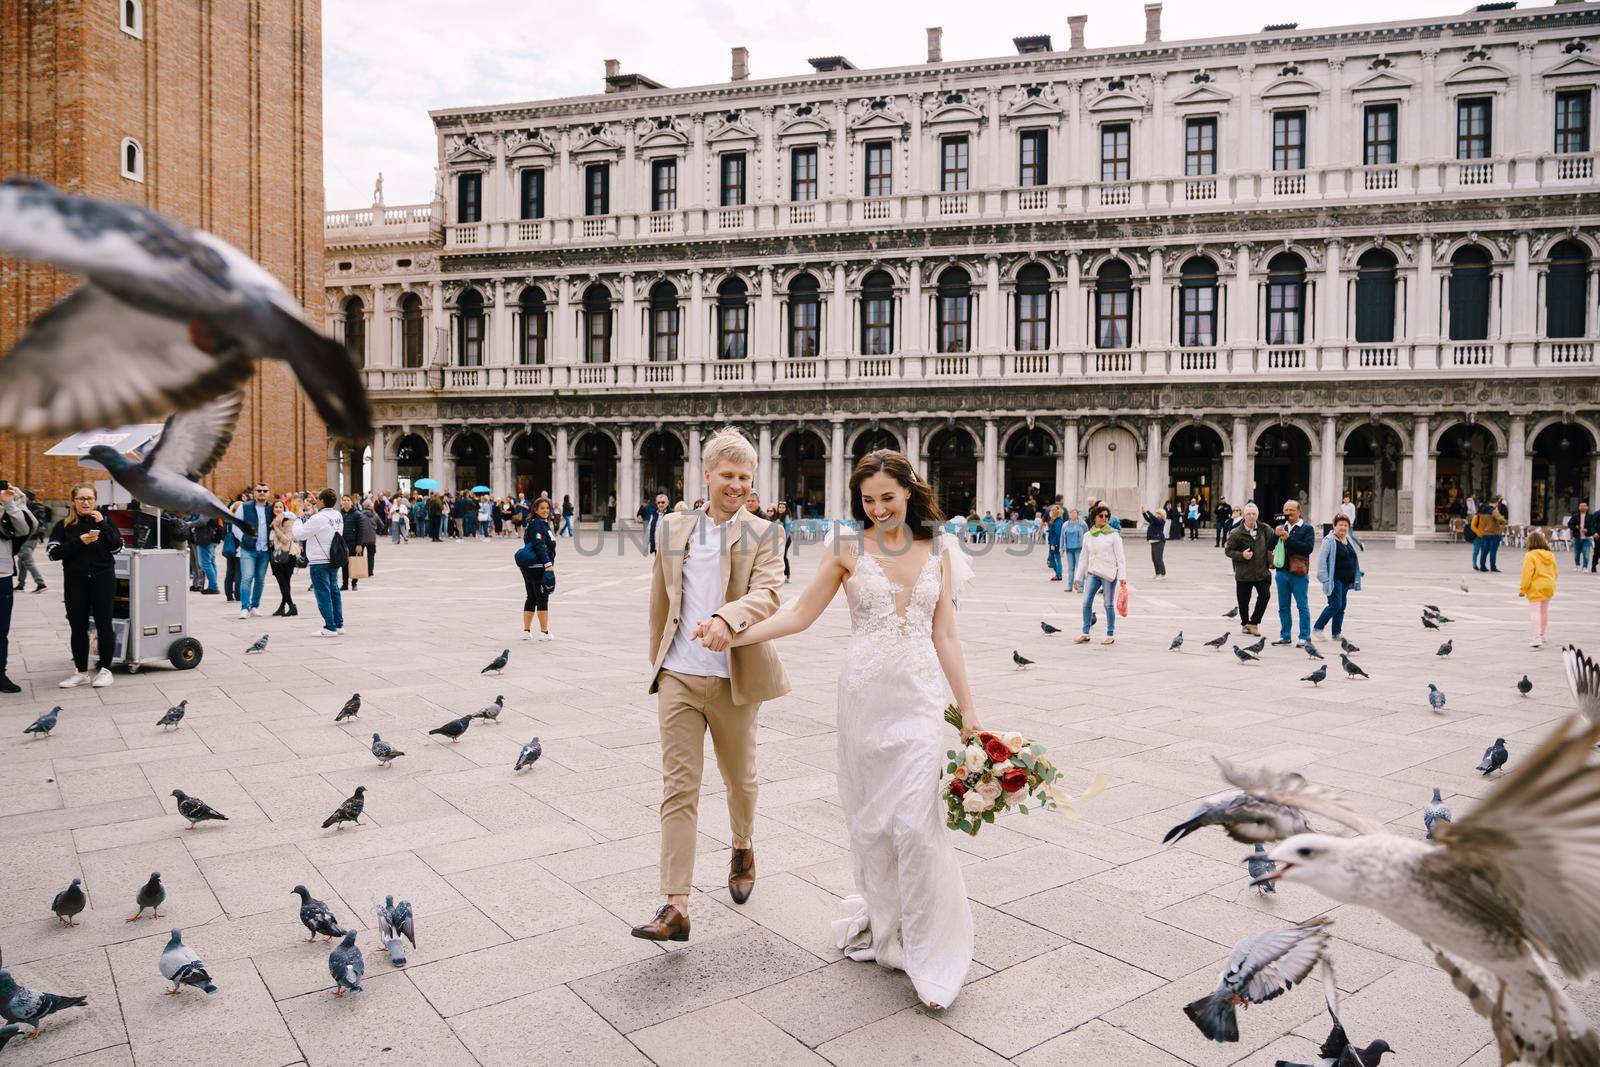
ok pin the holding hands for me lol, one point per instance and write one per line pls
(714, 634)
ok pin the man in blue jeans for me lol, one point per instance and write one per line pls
(318, 533)
(255, 553)
(1299, 541)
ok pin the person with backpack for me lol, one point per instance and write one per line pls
(537, 561)
(25, 564)
(18, 526)
(327, 553)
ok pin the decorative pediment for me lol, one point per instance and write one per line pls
(730, 127)
(878, 116)
(1479, 74)
(520, 144)
(1117, 94)
(1289, 88)
(804, 121)
(948, 108)
(469, 148)
(1034, 102)
(1117, 100)
(599, 139)
(1575, 65)
(1382, 80)
(1205, 94)
(651, 138)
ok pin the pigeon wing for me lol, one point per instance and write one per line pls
(191, 442)
(1583, 674)
(406, 923)
(1293, 791)
(1527, 859)
(1279, 960)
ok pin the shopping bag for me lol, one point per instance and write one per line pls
(1124, 598)
(358, 566)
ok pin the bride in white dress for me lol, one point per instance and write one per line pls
(900, 576)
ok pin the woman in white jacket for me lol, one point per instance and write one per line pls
(1103, 564)
(318, 533)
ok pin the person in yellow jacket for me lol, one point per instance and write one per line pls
(1538, 584)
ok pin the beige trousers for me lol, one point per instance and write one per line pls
(689, 704)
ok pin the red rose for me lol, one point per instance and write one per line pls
(994, 748)
(958, 788)
(1013, 779)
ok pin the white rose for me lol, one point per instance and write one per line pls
(973, 803)
(1014, 741)
(989, 791)
(976, 760)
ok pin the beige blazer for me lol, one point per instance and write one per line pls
(752, 572)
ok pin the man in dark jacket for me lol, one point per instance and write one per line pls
(1293, 579)
(1585, 527)
(1224, 516)
(352, 536)
(1156, 533)
(1250, 548)
(367, 536)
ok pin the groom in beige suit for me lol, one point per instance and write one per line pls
(717, 571)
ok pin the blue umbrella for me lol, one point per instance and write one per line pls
(479, 489)
(426, 483)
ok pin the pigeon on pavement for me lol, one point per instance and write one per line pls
(7, 1032)
(174, 715)
(1494, 757)
(151, 895)
(1257, 647)
(1347, 645)
(44, 723)
(1245, 657)
(1261, 967)
(69, 902)
(1428, 623)
(1434, 812)
(191, 442)
(1231, 613)
(1336, 1049)
(1259, 866)
(1463, 587)
(498, 664)
(346, 966)
(1217, 643)
(169, 318)
(384, 751)
(1350, 668)
(19, 1004)
(1177, 642)
(351, 709)
(1048, 629)
(1439, 616)
(315, 916)
(395, 921)
(491, 713)
(1316, 677)
(349, 811)
(453, 729)
(1435, 697)
(1524, 686)
(1432, 607)
(1022, 662)
(196, 810)
(1446, 648)
(259, 646)
(180, 966)
(529, 755)
(1312, 650)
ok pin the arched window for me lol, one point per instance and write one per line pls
(1469, 294)
(355, 329)
(535, 325)
(132, 160)
(805, 316)
(1286, 299)
(1374, 297)
(1113, 305)
(733, 319)
(1197, 307)
(663, 322)
(1566, 291)
(1033, 308)
(470, 328)
(955, 310)
(877, 314)
(132, 18)
(411, 330)
(597, 324)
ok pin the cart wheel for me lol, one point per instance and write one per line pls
(185, 653)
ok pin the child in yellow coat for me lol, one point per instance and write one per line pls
(1538, 584)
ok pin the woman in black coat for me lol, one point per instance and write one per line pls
(540, 539)
(84, 543)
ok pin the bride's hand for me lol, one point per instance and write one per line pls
(969, 729)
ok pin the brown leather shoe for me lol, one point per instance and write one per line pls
(741, 874)
(670, 924)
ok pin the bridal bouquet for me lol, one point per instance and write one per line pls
(994, 773)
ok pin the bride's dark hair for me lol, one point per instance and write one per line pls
(922, 509)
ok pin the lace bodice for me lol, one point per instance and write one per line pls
(876, 606)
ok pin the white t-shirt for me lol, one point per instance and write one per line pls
(703, 593)
(1348, 510)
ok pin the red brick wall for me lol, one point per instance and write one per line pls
(226, 99)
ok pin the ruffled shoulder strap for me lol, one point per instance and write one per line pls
(962, 578)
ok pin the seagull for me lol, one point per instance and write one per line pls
(1047, 628)
(1435, 812)
(180, 966)
(349, 811)
(346, 966)
(1446, 648)
(69, 902)
(1515, 883)
(315, 916)
(190, 445)
(259, 646)
(1177, 642)
(1261, 967)
(1257, 647)
(1435, 697)
(1311, 650)
(1231, 613)
(1022, 662)
(1428, 623)
(1258, 865)
(44, 723)
(1524, 687)
(453, 729)
(1316, 677)
(491, 713)
(174, 715)
(1217, 643)
(169, 318)
(1348, 646)
(529, 755)
(151, 895)
(351, 709)
(1494, 757)
(384, 751)
(196, 810)
(1336, 1050)
(1245, 657)
(19, 1004)
(498, 664)
(1350, 667)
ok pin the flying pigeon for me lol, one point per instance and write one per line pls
(1524, 687)
(259, 646)
(491, 713)
(69, 902)
(7, 1032)
(1435, 812)
(453, 729)
(1261, 967)
(1583, 675)
(1446, 648)
(1257, 647)
(1243, 818)
(315, 916)
(1217, 643)
(1245, 657)
(174, 715)
(44, 723)
(1022, 662)
(1259, 866)
(1231, 613)
(1494, 757)
(1350, 667)
(1435, 697)
(168, 318)
(1316, 677)
(1177, 642)
(151, 895)
(1512, 887)
(1047, 628)
(395, 922)
(1347, 645)
(180, 966)
(190, 445)
(346, 966)
(1336, 1049)
(1312, 650)
(1428, 623)
(349, 811)
(351, 709)
(529, 755)
(19, 1004)
(384, 751)
(196, 810)
(498, 664)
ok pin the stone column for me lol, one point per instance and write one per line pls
(766, 472)
(1425, 301)
(1421, 480)
(694, 479)
(560, 468)
(382, 351)
(497, 462)
(993, 312)
(500, 332)
(1155, 304)
(765, 343)
(835, 491)
(1330, 330)
(1328, 485)
(1155, 466)
(336, 480)
(1524, 302)
(1241, 308)
(839, 315)
(439, 326)
(1243, 488)
(436, 457)
(561, 331)
(1069, 463)
(627, 480)
(914, 447)
(1518, 489)
(914, 338)
(988, 472)
(1072, 338)
(383, 475)
(628, 328)
(694, 347)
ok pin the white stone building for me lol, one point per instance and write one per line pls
(1359, 259)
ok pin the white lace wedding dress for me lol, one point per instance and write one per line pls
(911, 912)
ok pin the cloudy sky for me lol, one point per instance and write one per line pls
(387, 62)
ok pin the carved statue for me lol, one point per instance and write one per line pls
(377, 189)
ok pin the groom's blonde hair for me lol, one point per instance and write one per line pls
(728, 445)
